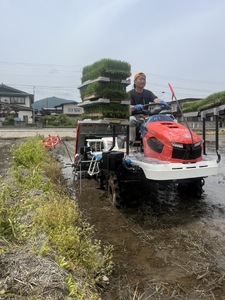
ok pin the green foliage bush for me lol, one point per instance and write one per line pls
(30, 153)
(206, 103)
(59, 121)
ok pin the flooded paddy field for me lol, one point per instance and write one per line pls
(166, 245)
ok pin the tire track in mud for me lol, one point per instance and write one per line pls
(166, 245)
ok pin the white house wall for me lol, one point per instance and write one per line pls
(23, 113)
(27, 102)
(6, 99)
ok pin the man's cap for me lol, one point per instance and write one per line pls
(138, 75)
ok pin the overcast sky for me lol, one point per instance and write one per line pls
(46, 43)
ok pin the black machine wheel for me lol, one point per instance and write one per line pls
(193, 188)
(198, 188)
(113, 190)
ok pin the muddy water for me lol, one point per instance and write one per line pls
(166, 246)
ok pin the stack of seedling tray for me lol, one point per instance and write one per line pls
(103, 90)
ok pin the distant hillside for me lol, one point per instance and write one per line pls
(50, 102)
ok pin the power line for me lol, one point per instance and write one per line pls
(170, 77)
(186, 79)
(23, 64)
(182, 86)
(41, 86)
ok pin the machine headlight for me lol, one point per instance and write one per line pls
(197, 144)
(177, 145)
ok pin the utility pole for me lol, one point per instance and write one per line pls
(33, 111)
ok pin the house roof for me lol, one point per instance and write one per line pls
(8, 91)
(5, 89)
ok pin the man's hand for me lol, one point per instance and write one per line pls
(138, 107)
(165, 104)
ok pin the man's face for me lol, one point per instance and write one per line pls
(140, 81)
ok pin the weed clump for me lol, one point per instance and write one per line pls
(47, 251)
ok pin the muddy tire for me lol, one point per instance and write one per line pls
(193, 189)
(198, 188)
(113, 190)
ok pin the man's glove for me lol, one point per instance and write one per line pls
(164, 103)
(138, 107)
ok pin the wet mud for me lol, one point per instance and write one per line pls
(167, 245)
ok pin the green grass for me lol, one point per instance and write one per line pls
(34, 202)
(211, 101)
(115, 69)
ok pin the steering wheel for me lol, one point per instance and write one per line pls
(156, 108)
